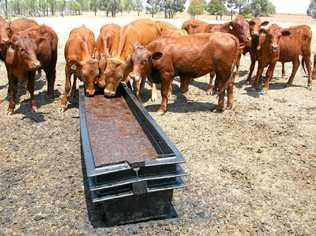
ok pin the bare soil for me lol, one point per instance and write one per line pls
(252, 171)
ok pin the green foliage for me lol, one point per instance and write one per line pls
(216, 7)
(138, 6)
(262, 8)
(153, 6)
(170, 7)
(128, 5)
(196, 7)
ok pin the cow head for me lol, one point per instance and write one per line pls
(271, 37)
(89, 72)
(141, 61)
(114, 74)
(23, 49)
(240, 28)
(255, 25)
(102, 58)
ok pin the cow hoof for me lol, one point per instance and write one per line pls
(153, 99)
(309, 87)
(160, 112)
(62, 109)
(34, 109)
(10, 113)
(261, 92)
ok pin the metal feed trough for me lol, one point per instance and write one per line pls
(132, 167)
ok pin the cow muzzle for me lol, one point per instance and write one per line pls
(35, 65)
(90, 92)
(108, 93)
(135, 77)
(275, 48)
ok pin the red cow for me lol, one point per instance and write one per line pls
(30, 50)
(165, 58)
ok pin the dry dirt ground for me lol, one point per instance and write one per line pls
(251, 171)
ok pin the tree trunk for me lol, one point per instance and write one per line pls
(6, 9)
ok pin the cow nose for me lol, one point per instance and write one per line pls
(108, 93)
(36, 64)
(249, 38)
(274, 47)
(134, 76)
(90, 92)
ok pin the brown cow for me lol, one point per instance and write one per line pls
(184, 56)
(314, 67)
(29, 50)
(269, 52)
(194, 26)
(4, 36)
(169, 30)
(119, 66)
(106, 45)
(80, 62)
(255, 25)
(296, 45)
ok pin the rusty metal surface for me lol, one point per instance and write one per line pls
(114, 133)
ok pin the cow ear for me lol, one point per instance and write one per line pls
(286, 33)
(251, 23)
(231, 25)
(265, 23)
(137, 45)
(156, 55)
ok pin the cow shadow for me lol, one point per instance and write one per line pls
(42, 100)
(3, 86)
(182, 105)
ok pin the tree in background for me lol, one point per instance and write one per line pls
(216, 7)
(128, 5)
(262, 8)
(171, 7)
(153, 6)
(196, 7)
(311, 11)
(138, 6)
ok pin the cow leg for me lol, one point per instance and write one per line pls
(137, 88)
(314, 68)
(221, 95)
(296, 65)
(252, 67)
(283, 70)
(154, 92)
(308, 64)
(30, 88)
(64, 100)
(230, 94)
(237, 66)
(258, 76)
(51, 77)
(73, 89)
(210, 88)
(12, 92)
(184, 84)
(165, 88)
(268, 77)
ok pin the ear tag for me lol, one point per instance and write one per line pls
(73, 67)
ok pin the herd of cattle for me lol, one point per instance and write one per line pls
(151, 49)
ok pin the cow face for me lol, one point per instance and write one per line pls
(89, 75)
(240, 28)
(271, 37)
(5, 33)
(102, 67)
(114, 74)
(24, 50)
(141, 60)
(255, 25)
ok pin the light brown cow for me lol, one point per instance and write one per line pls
(80, 62)
(119, 66)
(106, 46)
(194, 26)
